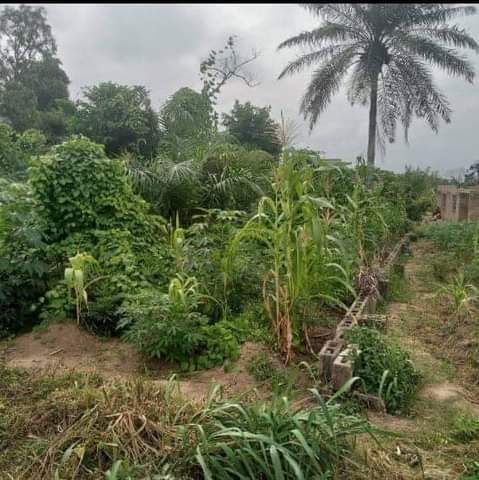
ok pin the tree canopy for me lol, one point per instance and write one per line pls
(120, 117)
(253, 126)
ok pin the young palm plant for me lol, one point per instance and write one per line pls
(386, 49)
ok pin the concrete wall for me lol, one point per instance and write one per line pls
(458, 204)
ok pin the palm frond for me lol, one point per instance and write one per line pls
(324, 84)
(446, 58)
(314, 57)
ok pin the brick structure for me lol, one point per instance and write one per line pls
(458, 204)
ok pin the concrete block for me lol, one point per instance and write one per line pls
(342, 370)
(327, 355)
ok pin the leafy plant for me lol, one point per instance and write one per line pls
(166, 325)
(465, 428)
(75, 279)
(384, 368)
(461, 295)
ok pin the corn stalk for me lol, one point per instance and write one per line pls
(75, 279)
(291, 226)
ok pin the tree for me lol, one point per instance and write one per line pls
(386, 48)
(119, 117)
(222, 66)
(471, 177)
(253, 127)
(25, 38)
(185, 121)
(47, 79)
(31, 77)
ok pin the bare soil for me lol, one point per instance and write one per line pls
(65, 346)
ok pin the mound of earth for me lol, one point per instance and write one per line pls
(65, 346)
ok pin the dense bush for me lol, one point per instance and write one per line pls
(16, 151)
(23, 269)
(171, 326)
(76, 187)
(385, 369)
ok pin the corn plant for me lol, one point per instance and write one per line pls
(75, 278)
(299, 245)
(461, 295)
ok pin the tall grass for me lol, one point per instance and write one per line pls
(277, 441)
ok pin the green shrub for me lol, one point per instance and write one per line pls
(76, 188)
(220, 344)
(465, 428)
(23, 269)
(171, 326)
(385, 369)
(161, 325)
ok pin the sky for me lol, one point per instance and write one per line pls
(161, 46)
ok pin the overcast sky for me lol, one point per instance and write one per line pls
(161, 46)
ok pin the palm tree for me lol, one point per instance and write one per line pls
(386, 49)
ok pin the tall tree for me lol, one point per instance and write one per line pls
(25, 38)
(31, 77)
(120, 117)
(253, 127)
(386, 49)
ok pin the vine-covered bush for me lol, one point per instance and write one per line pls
(385, 369)
(77, 187)
(84, 202)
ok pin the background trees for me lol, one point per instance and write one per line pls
(120, 117)
(253, 126)
(31, 77)
(385, 48)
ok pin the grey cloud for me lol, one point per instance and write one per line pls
(161, 46)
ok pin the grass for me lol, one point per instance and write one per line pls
(74, 425)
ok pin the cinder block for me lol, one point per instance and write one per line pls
(327, 355)
(342, 370)
(371, 304)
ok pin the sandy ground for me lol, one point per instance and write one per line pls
(65, 346)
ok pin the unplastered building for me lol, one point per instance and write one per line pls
(458, 204)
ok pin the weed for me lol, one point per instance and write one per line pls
(385, 369)
(465, 428)
(277, 441)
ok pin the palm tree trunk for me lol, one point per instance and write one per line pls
(373, 108)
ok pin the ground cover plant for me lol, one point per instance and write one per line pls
(138, 428)
(385, 369)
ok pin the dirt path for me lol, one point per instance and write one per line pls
(418, 321)
(65, 346)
